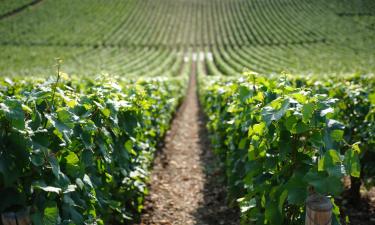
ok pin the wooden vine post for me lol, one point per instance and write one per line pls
(318, 210)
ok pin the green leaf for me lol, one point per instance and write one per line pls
(335, 209)
(87, 157)
(334, 124)
(70, 188)
(257, 129)
(129, 148)
(297, 190)
(55, 166)
(106, 112)
(316, 139)
(307, 111)
(71, 103)
(283, 197)
(270, 114)
(324, 184)
(13, 113)
(242, 143)
(330, 159)
(41, 185)
(337, 135)
(37, 158)
(351, 163)
(36, 218)
(246, 205)
(51, 189)
(336, 214)
(272, 214)
(87, 180)
(66, 118)
(80, 183)
(301, 127)
(72, 164)
(64, 127)
(336, 220)
(326, 111)
(8, 174)
(51, 214)
(371, 98)
(290, 123)
(300, 97)
(355, 147)
(68, 201)
(74, 214)
(244, 93)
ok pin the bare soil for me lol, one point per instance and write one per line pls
(187, 185)
(360, 212)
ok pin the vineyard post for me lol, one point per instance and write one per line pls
(318, 210)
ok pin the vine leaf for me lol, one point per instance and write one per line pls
(307, 111)
(55, 166)
(351, 163)
(12, 109)
(270, 114)
(51, 214)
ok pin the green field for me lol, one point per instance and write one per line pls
(89, 88)
(301, 37)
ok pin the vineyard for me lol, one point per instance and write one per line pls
(186, 111)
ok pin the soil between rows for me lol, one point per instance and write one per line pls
(187, 185)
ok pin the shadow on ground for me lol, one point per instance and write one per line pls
(214, 210)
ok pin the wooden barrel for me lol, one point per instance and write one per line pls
(23, 217)
(16, 218)
(318, 210)
(9, 218)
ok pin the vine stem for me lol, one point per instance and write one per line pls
(254, 89)
(54, 89)
(56, 83)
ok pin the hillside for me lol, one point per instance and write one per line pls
(187, 112)
(121, 37)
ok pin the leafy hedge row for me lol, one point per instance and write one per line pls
(356, 109)
(277, 142)
(78, 151)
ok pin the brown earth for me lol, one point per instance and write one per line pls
(359, 211)
(187, 185)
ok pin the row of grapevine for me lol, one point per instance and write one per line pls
(271, 59)
(78, 151)
(226, 61)
(130, 62)
(348, 7)
(357, 109)
(8, 6)
(74, 23)
(265, 36)
(282, 139)
(233, 23)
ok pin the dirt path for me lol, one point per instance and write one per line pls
(186, 183)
